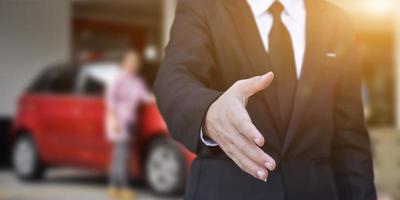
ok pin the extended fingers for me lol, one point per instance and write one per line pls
(249, 135)
(245, 163)
(241, 121)
(255, 153)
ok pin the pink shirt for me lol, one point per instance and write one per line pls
(124, 95)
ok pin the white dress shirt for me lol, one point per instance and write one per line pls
(294, 18)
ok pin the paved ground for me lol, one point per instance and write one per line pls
(63, 185)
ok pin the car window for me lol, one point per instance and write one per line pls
(61, 81)
(40, 84)
(93, 87)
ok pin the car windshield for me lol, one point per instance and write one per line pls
(94, 77)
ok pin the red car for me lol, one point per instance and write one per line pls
(60, 122)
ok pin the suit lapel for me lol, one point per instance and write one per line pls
(253, 47)
(317, 38)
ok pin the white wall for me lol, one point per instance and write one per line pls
(33, 34)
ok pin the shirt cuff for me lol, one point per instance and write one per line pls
(207, 141)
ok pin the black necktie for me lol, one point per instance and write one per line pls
(282, 57)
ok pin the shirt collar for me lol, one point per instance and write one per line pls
(292, 7)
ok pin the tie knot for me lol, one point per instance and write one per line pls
(276, 9)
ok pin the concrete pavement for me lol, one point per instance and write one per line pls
(64, 184)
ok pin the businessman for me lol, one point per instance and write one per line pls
(267, 94)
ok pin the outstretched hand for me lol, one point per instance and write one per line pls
(228, 123)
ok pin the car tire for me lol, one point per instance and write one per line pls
(165, 169)
(25, 159)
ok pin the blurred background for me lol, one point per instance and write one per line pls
(38, 34)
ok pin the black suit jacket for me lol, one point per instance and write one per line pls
(326, 151)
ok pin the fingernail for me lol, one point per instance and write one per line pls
(261, 174)
(268, 165)
(263, 77)
(271, 74)
(258, 141)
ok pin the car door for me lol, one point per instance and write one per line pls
(58, 113)
(94, 148)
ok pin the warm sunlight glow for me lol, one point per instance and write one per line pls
(379, 7)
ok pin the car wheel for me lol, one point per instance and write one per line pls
(25, 159)
(165, 168)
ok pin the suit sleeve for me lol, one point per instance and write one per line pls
(182, 86)
(352, 159)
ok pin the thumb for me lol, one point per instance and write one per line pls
(248, 87)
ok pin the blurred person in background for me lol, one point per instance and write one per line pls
(123, 97)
